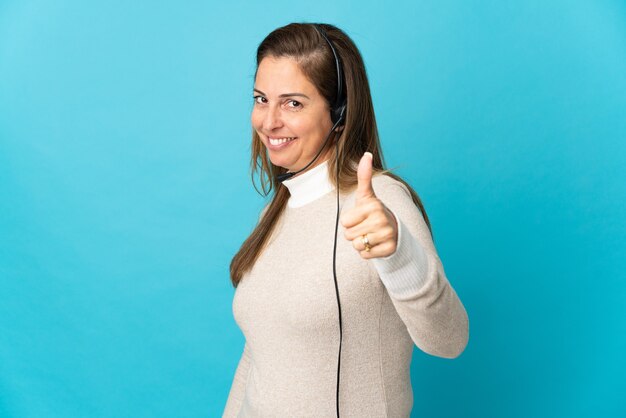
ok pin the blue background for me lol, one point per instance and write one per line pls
(125, 191)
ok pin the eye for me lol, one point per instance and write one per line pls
(294, 104)
(259, 99)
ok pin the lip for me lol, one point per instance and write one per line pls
(271, 147)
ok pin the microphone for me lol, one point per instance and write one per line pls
(284, 176)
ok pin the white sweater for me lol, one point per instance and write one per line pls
(287, 310)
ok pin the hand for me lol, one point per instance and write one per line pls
(370, 218)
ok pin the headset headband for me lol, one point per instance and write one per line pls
(338, 109)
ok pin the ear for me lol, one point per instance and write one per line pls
(339, 128)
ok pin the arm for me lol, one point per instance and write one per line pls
(416, 281)
(238, 388)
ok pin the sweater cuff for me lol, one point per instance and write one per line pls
(405, 271)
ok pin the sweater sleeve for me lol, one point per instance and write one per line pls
(406, 269)
(238, 388)
(416, 281)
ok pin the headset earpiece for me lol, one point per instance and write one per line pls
(338, 115)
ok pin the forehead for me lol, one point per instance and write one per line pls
(277, 75)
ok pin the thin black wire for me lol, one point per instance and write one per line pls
(334, 244)
(284, 176)
(335, 275)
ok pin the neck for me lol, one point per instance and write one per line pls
(309, 185)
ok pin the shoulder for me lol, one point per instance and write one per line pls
(390, 191)
(388, 187)
(398, 197)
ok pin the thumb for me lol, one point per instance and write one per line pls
(364, 176)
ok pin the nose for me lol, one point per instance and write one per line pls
(272, 119)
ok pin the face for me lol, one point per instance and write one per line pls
(290, 115)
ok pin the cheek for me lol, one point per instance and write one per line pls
(301, 126)
(256, 120)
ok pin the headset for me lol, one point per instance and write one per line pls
(337, 116)
(337, 109)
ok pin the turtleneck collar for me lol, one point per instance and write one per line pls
(308, 186)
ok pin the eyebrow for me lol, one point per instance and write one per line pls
(286, 94)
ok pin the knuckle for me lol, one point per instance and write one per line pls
(378, 206)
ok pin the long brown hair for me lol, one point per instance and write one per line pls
(302, 42)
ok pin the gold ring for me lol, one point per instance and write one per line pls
(366, 242)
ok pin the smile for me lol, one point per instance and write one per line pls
(278, 141)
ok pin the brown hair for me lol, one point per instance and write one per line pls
(302, 42)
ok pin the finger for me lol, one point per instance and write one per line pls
(353, 217)
(367, 217)
(373, 239)
(374, 233)
(364, 177)
(358, 214)
(384, 249)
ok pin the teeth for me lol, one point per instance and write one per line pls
(278, 141)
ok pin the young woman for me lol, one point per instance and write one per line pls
(340, 277)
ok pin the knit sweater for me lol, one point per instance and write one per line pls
(287, 310)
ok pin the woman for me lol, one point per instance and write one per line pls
(315, 347)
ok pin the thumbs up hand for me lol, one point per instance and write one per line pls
(369, 224)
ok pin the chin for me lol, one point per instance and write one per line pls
(290, 164)
(281, 162)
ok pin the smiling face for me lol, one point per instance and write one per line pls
(290, 116)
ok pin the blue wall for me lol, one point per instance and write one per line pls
(124, 192)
